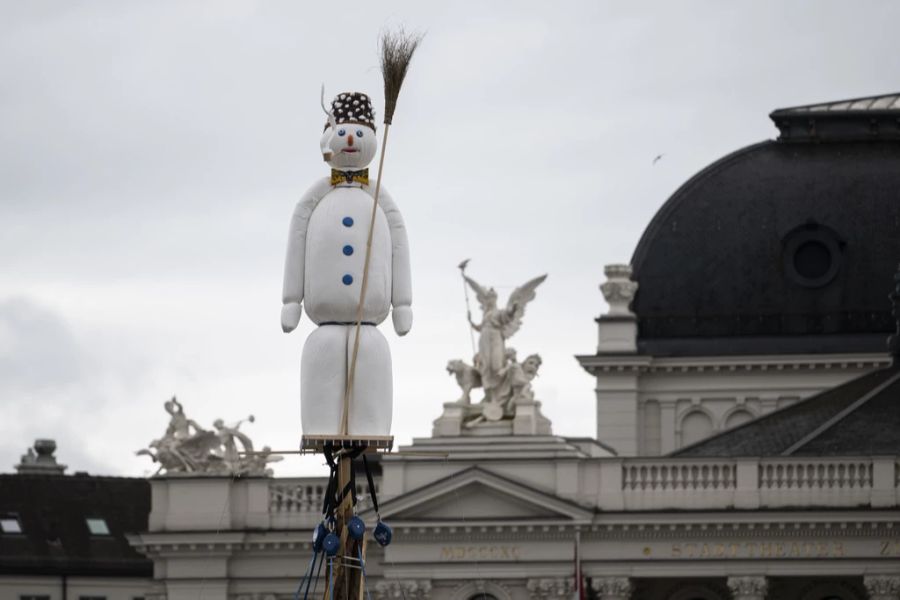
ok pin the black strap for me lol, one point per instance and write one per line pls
(352, 484)
(328, 500)
(371, 485)
(334, 496)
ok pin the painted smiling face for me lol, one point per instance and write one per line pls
(352, 146)
(348, 142)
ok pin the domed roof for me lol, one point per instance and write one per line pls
(786, 246)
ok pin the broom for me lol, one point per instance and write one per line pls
(397, 50)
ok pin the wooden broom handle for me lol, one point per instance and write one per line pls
(348, 389)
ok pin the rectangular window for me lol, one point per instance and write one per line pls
(10, 525)
(97, 526)
(33, 597)
(91, 597)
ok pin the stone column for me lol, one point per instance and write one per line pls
(882, 587)
(748, 587)
(403, 589)
(612, 588)
(550, 588)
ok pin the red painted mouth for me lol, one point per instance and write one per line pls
(350, 150)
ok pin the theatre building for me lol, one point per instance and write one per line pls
(747, 408)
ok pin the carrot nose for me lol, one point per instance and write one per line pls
(350, 140)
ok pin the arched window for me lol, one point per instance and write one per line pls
(695, 426)
(482, 597)
(738, 417)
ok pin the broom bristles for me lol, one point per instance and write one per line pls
(397, 49)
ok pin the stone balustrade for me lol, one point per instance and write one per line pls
(678, 475)
(695, 484)
(619, 484)
(685, 484)
(749, 483)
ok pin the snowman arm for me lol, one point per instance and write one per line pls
(295, 259)
(401, 285)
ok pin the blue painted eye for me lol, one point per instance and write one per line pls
(342, 132)
(359, 133)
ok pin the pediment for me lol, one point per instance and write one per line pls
(476, 495)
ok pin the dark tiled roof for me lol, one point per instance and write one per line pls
(52, 511)
(860, 417)
(718, 264)
(885, 102)
(873, 117)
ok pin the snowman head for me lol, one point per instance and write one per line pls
(348, 141)
(351, 146)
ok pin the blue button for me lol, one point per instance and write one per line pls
(347, 279)
(347, 221)
(348, 250)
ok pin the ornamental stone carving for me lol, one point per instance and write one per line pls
(618, 289)
(39, 460)
(882, 587)
(188, 448)
(550, 588)
(403, 589)
(612, 588)
(508, 405)
(748, 588)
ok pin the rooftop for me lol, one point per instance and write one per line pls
(858, 418)
(872, 117)
(54, 524)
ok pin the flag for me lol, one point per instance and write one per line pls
(578, 591)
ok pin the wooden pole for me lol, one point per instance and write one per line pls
(347, 581)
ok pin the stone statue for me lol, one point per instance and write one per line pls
(188, 448)
(179, 425)
(467, 377)
(498, 325)
(508, 399)
(227, 435)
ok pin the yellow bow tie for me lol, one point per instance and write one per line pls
(361, 176)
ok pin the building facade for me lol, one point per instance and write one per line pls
(62, 537)
(746, 409)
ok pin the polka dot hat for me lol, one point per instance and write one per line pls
(353, 107)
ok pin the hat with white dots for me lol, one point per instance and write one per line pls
(353, 107)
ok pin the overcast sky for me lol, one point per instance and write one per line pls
(151, 154)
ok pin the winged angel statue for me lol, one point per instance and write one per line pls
(496, 369)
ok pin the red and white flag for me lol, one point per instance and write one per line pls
(578, 591)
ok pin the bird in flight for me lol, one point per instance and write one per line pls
(658, 156)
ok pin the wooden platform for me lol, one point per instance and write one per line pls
(372, 443)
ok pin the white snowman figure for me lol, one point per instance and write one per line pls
(324, 269)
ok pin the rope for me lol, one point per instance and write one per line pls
(330, 578)
(318, 575)
(225, 508)
(362, 292)
(362, 566)
(307, 577)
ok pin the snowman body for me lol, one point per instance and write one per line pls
(324, 270)
(335, 257)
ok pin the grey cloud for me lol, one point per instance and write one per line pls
(151, 154)
(37, 349)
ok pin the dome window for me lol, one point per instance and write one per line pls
(812, 255)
